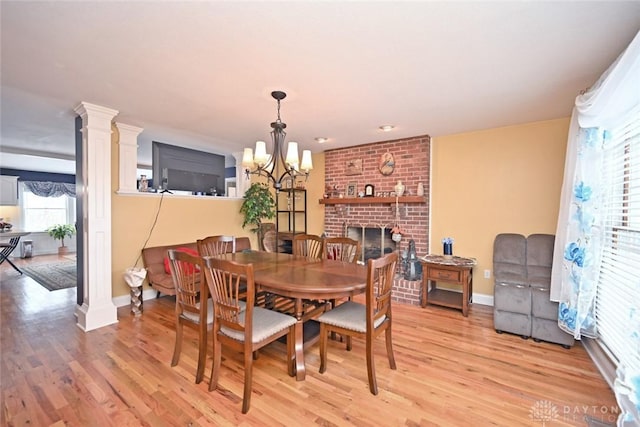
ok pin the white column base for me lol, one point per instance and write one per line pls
(93, 317)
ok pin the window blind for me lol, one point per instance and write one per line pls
(618, 290)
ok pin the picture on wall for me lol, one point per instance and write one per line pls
(353, 167)
(387, 164)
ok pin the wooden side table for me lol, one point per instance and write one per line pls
(455, 270)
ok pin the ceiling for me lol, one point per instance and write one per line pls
(200, 74)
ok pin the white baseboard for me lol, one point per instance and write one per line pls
(483, 299)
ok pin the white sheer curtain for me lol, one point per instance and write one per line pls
(578, 250)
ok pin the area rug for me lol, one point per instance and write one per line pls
(53, 276)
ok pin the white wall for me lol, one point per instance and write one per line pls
(43, 244)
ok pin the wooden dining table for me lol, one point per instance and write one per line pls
(300, 279)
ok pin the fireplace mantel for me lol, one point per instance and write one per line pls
(372, 200)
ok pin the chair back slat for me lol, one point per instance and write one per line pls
(308, 245)
(342, 249)
(216, 245)
(380, 274)
(186, 273)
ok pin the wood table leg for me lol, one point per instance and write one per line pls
(299, 350)
(298, 331)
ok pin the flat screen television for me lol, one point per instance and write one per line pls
(185, 169)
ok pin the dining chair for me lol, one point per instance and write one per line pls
(263, 229)
(364, 320)
(247, 328)
(308, 245)
(269, 242)
(191, 291)
(342, 249)
(216, 245)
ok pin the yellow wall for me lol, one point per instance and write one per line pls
(180, 220)
(504, 180)
(483, 183)
(315, 189)
(183, 219)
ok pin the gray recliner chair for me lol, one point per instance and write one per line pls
(512, 295)
(522, 274)
(544, 312)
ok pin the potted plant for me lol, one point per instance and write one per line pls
(258, 204)
(59, 232)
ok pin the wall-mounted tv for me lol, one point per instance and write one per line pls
(180, 168)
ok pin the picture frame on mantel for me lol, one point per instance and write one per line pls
(369, 190)
(352, 189)
(353, 167)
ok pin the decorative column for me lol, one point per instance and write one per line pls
(97, 309)
(128, 153)
(242, 183)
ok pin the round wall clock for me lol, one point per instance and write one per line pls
(387, 164)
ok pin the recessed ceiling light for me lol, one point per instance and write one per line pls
(321, 140)
(387, 128)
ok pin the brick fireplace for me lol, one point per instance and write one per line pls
(412, 164)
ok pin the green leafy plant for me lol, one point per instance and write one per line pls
(60, 231)
(258, 204)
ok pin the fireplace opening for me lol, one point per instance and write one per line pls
(375, 241)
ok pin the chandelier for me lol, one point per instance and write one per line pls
(277, 167)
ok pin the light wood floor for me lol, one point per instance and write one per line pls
(452, 371)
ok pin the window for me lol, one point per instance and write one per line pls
(39, 213)
(618, 290)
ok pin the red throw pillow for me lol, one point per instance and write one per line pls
(183, 249)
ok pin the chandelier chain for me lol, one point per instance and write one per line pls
(278, 120)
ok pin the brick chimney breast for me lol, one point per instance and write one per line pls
(412, 166)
